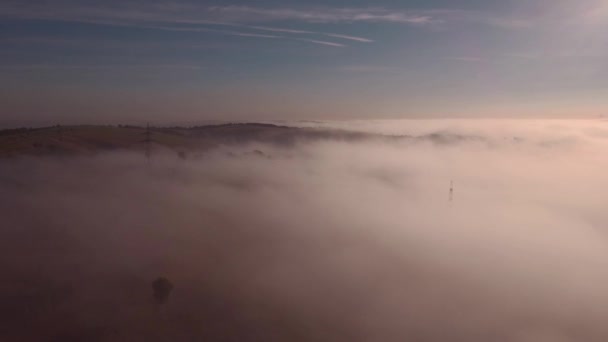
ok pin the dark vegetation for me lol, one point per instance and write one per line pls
(76, 140)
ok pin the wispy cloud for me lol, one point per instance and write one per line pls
(299, 32)
(451, 16)
(326, 15)
(257, 35)
(167, 27)
(342, 36)
(247, 16)
(174, 18)
(218, 15)
(321, 42)
(245, 21)
(204, 29)
(277, 29)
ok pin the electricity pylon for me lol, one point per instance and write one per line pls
(451, 196)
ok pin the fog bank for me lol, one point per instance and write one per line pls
(326, 240)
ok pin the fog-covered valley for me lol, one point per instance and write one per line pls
(345, 233)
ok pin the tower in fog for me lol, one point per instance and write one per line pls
(451, 194)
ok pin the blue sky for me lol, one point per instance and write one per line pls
(188, 61)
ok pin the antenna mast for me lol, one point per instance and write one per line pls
(451, 196)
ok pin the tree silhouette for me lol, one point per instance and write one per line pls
(162, 289)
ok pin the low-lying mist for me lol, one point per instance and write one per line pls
(325, 240)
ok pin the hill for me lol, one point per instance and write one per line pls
(70, 140)
(74, 140)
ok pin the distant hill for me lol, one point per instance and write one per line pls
(69, 140)
(73, 140)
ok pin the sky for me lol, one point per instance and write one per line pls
(180, 61)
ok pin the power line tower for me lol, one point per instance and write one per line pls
(451, 195)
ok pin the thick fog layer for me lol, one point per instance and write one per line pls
(321, 241)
